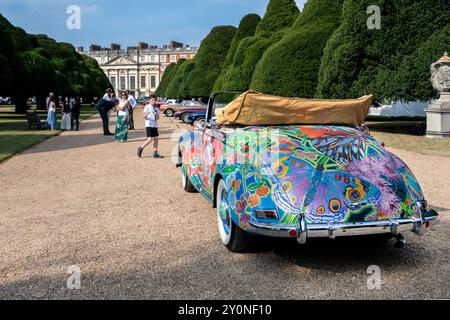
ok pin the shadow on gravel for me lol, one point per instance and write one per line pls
(342, 253)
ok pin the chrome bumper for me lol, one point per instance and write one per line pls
(302, 231)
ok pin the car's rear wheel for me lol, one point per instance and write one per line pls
(169, 113)
(232, 236)
(187, 184)
(185, 117)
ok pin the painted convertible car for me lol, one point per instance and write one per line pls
(300, 182)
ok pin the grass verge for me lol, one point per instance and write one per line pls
(15, 136)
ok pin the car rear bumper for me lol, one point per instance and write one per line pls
(302, 231)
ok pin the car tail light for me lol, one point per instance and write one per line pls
(293, 233)
(266, 214)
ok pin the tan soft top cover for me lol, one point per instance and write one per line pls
(254, 108)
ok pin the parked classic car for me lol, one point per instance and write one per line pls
(185, 113)
(193, 117)
(169, 110)
(304, 181)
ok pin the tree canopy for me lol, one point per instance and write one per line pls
(247, 28)
(280, 14)
(166, 78)
(290, 66)
(34, 65)
(209, 61)
(358, 60)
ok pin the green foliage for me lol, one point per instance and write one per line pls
(174, 84)
(290, 66)
(280, 15)
(412, 79)
(167, 77)
(247, 28)
(34, 65)
(209, 61)
(184, 73)
(358, 61)
(250, 50)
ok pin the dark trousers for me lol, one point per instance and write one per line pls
(130, 119)
(76, 119)
(104, 116)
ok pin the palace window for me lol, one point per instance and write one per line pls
(173, 58)
(122, 83)
(152, 58)
(163, 58)
(153, 82)
(183, 56)
(113, 81)
(132, 83)
(143, 82)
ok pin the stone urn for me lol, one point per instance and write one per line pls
(438, 114)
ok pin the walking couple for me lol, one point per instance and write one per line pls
(151, 117)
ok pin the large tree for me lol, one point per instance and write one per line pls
(209, 61)
(290, 67)
(247, 28)
(167, 77)
(36, 65)
(359, 60)
(279, 17)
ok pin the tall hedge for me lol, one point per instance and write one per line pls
(412, 81)
(168, 75)
(279, 16)
(209, 61)
(290, 67)
(34, 65)
(175, 82)
(184, 74)
(247, 28)
(358, 60)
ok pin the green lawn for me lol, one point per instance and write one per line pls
(15, 136)
(408, 135)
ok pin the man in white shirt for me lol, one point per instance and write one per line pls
(151, 116)
(132, 104)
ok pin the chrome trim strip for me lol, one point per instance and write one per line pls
(333, 230)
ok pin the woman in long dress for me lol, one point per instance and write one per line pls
(52, 121)
(66, 116)
(121, 132)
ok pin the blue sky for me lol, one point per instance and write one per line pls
(131, 21)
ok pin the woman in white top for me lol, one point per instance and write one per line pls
(121, 132)
(51, 116)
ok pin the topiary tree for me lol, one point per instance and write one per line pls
(6, 54)
(209, 61)
(290, 67)
(168, 75)
(358, 60)
(183, 85)
(412, 79)
(175, 83)
(280, 14)
(247, 28)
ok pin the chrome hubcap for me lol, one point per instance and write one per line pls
(224, 213)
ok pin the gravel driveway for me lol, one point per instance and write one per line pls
(80, 199)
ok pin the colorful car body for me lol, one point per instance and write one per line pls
(303, 181)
